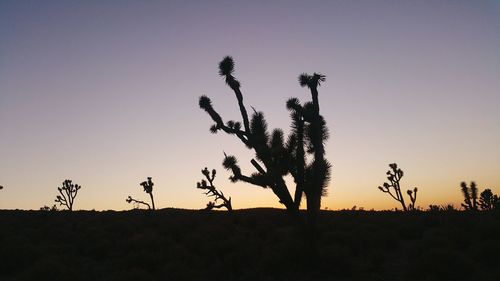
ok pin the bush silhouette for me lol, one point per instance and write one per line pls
(394, 176)
(68, 193)
(47, 208)
(489, 201)
(301, 155)
(442, 208)
(470, 196)
(148, 188)
(211, 191)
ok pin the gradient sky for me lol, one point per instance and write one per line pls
(106, 93)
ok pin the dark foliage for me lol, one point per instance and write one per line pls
(211, 191)
(489, 201)
(68, 193)
(394, 176)
(47, 208)
(259, 244)
(301, 155)
(443, 208)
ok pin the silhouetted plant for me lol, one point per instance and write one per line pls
(1, 187)
(47, 208)
(275, 157)
(488, 200)
(211, 191)
(68, 193)
(434, 208)
(470, 196)
(394, 176)
(442, 208)
(449, 207)
(137, 203)
(148, 188)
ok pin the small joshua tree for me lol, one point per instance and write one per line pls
(148, 188)
(470, 196)
(489, 201)
(394, 176)
(68, 193)
(211, 191)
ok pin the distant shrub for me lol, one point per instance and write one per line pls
(68, 193)
(434, 208)
(442, 208)
(449, 207)
(47, 208)
(394, 176)
(211, 191)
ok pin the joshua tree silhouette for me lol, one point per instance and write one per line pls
(470, 196)
(211, 191)
(68, 193)
(394, 176)
(148, 188)
(301, 155)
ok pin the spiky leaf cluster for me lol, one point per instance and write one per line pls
(311, 81)
(226, 69)
(148, 185)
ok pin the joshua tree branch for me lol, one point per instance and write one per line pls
(130, 200)
(206, 105)
(243, 110)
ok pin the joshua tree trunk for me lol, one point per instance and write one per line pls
(313, 207)
(400, 195)
(152, 200)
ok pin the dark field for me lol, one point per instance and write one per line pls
(256, 244)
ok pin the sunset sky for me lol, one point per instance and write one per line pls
(106, 93)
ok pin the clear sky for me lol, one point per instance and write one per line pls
(106, 93)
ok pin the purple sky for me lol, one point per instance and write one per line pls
(106, 93)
